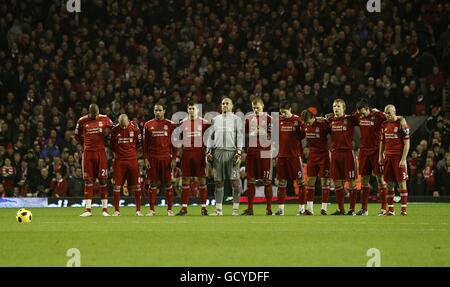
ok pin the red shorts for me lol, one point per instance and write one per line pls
(126, 170)
(95, 165)
(193, 164)
(368, 163)
(342, 165)
(160, 169)
(257, 167)
(318, 164)
(289, 168)
(392, 172)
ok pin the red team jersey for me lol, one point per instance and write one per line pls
(125, 142)
(157, 148)
(370, 128)
(192, 134)
(393, 137)
(264, 122)
(192, 159)
(342, 132)
(90, 132)
(289, 162)
(370, 138)
(342, 163)
(316, 136)
(290, 137)
(258, 165)
(157, 138)
(319, 157)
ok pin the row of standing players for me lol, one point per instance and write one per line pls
(384, 145)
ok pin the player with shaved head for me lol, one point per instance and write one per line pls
(90, 132)
(394, 149)
(125, 142)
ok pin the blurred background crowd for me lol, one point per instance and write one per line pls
(128, 55)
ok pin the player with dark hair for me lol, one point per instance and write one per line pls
(394, 149)
(289, 159)
(125, 141)
(90, 132)
(159, 157)
(342, 163)
(192, 153)
(316, 131)
(370, 121)
(258, 127)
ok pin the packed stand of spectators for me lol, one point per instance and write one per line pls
(128, 55)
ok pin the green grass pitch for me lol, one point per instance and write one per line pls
(420, 239)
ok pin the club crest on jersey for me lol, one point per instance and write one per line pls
(317, 129)
(344, 128)
(199, 128)
(132, 134)
(295, 123)
(166, 127)
(345, 121)
(100, 124)
(395, 129)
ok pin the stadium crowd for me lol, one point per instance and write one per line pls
(126, 56)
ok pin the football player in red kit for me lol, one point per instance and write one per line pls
(90, 131)
(159, 157)
(259, 158)
(192, 153)
(342, 163)
(124, 143)
(394, 149)
(289, 159)
(370, 121)
(316, 131)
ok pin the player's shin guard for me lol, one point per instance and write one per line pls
(390, 200)
(203, 194)
(404, 198)
(152, 197)
(116, 197)
(268, 193)
(185, 189)
(310, 198)
(104, 197)
(137, 197)
(383, 196)
(365, 197)
(340, 198)
(236, 197)
(281, 195)
(88, 193)
(169, 197)
(251, 195)
(325, 194)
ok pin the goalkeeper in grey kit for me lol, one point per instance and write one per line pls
(224, 152)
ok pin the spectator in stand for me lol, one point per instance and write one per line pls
(59, 186)
(443, 175)
(8, 177)
(43, 184)
(50, 149)
(430, 173)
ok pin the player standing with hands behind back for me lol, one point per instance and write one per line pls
(224, 151)
(90, 131)
(159, 157)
